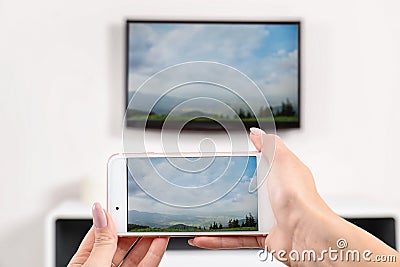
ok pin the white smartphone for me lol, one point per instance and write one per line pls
(189, 194)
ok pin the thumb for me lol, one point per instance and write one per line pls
(265, 143)
(105, 243)
(256, 137)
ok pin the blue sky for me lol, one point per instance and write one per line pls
(280, 38)
(272, 39)
(268, 54)
(194, 181)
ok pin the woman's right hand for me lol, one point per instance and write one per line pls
(294, 201)
(303, 220)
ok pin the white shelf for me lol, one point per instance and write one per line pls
(76, 210)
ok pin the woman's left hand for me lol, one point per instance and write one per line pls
(101, 246)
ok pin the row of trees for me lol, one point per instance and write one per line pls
(286, 109)
(215, 226)
(249, 221)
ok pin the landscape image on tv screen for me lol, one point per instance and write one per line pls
(267, 52)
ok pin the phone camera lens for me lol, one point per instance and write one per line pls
(117, 208)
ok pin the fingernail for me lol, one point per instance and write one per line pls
(190, 242)
(256, 131)
(99, 217)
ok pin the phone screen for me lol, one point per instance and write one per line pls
(192, 194)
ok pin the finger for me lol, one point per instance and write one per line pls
(124, 243)
(84, 249)
(139, 252)
(257, 141)
(227, 242)
(105, 243)
(256, 135)
(155, 252)
(111, 223)
(267, 143)
(268, 242)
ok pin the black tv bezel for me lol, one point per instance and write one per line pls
(201, 125)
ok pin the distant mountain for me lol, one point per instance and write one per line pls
(158, 219)
(196, 114)
(165, 104)
(181, 226)
(143, 102)
(162, 220)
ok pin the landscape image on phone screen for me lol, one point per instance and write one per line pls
(236, 210)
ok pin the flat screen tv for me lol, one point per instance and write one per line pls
(267, 52)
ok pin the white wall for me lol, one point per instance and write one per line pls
(61, 101)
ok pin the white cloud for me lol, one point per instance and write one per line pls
(224, 43)
(281, 52)
(235, 201)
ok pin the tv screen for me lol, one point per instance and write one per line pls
(265, 52)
